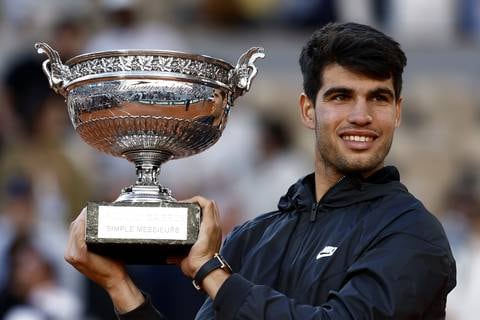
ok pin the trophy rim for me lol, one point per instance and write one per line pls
(143, 75)
(146, 52)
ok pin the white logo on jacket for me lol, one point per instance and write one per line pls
(326, 252)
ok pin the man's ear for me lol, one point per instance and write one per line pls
(307, 111)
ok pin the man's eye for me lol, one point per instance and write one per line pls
(339, 97)
(380, 98)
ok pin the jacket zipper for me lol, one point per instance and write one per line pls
(318, 205)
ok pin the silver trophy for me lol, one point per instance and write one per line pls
(148, 107)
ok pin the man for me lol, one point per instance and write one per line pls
(348, 241)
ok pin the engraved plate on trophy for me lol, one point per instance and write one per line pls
(149, 107)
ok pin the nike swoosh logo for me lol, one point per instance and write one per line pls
(326, 252)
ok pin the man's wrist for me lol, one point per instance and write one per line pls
(214, 281)
(216, 262)
(211, 275)
(125, 296)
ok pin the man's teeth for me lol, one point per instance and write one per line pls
(357, 138)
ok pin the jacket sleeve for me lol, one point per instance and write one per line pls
(401, 277)
(145, 311)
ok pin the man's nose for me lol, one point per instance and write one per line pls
(360, 113)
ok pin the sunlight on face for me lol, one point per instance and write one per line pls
(356, 117)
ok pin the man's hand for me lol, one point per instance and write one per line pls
(108, 273)
(208, 243)
(209, 238)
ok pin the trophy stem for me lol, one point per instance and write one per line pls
(147, 174)
(147, 187)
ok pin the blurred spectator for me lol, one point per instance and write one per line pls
(17, 217)
(221, 14)
(372, 12)
(308, 13)
(59, 188)
(25, 86)
(33, 289)
(35, 142)
(37, 126)
(381, 12)
(423, 23)
(125, 29)
(278, 165)
(468, 19)
(29, 17)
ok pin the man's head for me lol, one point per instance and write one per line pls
(352, 83)
(356, 47)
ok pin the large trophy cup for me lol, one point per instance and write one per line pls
(148, 107)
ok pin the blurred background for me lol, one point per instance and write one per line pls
(47, 173)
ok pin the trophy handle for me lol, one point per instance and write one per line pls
(56, 72)
(241, 77)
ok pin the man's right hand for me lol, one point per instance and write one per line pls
(108, 273)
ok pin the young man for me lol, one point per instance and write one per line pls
(347, 241)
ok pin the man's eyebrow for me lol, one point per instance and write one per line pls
(382, 90)
(337, 90)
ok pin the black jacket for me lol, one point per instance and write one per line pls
(367, 250)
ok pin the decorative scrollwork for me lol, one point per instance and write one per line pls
(241, 77)
(57, 73)
(150, 63)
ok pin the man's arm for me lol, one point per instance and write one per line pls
(108, 273)
(111, 275)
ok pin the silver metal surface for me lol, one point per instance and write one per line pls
(149, 106)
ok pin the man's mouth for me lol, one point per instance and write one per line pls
(358, 138)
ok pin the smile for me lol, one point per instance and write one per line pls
(358, 138)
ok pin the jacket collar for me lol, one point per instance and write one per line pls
(353, 188)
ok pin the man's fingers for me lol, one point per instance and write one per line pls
(210, 214)
(209, 237)
(209, 207)
(203, 202)
(76, 239)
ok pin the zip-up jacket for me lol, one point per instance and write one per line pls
(367, 250)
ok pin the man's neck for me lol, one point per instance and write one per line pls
(327, 176)
(324, 180)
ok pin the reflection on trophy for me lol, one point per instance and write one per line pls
(148, 107)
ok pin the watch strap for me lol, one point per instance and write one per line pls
(217, 262)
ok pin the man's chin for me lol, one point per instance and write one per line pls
(365, 167)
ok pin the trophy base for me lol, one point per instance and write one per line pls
(142, 232)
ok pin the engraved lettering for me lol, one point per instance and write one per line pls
(142, 223)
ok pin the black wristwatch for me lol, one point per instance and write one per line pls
(215, 263)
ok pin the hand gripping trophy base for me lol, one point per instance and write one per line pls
(145, 224)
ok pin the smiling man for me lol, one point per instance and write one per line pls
(347, 241)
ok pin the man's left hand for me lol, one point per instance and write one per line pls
(209, 238)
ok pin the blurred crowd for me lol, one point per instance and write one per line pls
(47, 174)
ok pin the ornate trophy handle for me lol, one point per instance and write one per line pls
(241, 77)
(57, 73)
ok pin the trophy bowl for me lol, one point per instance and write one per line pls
(147, 106)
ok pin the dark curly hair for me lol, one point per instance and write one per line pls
(354, 46)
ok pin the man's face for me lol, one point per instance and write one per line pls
(354, 120)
